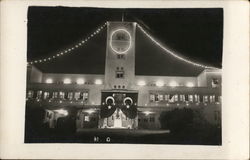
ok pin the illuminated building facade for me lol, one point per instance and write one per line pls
(120, 98)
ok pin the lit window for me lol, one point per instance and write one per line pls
(49, 80)
(70, 95)
(167, 97)
(119, 74)
(176, 98)
(152, 97)
(77, 95)
(85, 96)
(212, 98)
(171, 98)
(215, 82)
(86, 118)
(190, 98)
(61, 94)
(182, 98)
(67, 81)
(205, 98)
(55, 94)
(160, 96)
(30, 94)
(80, 81)
(46, 95)
(197, 98)
(39, 94)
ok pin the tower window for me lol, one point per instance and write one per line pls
(120, 56)
(119, 74)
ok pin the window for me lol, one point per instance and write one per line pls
(30, 94)
(77, 95)
(156, 98)
(212, 98)
(145, 120)
(120, 56)
(196, 98)
(216, 98)
(119, 74)
(190, 98)
(86, 118)
(70, 95)
(85, 96)
(176, 98)
(171, 98)
(114, 86)
(152, 97)
(166, 97)
(55, 94)
(151, 119)
(160, 96)
(205, 98)
(39, 94)
(182, 98)
(123, 87)
(61, 95)
(46, 95)
(215, 82)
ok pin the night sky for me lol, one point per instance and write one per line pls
(196, 34)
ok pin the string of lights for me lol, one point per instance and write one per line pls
(171, 52)
(69, 50)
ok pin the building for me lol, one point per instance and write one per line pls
(120, 98)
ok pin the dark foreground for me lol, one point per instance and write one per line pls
(118, 136)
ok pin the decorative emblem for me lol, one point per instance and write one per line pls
(120, 41)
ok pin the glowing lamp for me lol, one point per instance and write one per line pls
(80, 81)
(173, 84)
(141, 83)
(109, 107)
(159, 84)
(67, 81)
(190, 84)
(49, 80)
(98, 81)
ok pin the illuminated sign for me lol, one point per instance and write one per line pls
(120, 41)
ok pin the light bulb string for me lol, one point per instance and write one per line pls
(168, 51)
(69, 50)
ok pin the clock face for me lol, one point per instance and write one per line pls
(120, 41)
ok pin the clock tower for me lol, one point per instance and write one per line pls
(120, 55)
